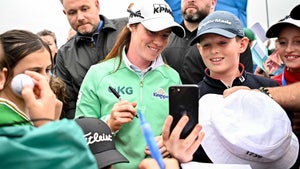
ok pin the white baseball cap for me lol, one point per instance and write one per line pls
(275, 29)
(247, 127)
(155, 15)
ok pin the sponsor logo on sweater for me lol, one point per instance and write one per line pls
(161, 94)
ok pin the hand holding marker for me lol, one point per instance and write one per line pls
(149, 137)
(117, 95)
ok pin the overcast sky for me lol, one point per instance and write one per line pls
(36, 15)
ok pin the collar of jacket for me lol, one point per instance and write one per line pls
(219, 84)
(107, 24)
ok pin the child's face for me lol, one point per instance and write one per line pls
(289, 47)
(221, 54)
(38, 61)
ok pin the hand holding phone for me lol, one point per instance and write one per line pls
(183, 100)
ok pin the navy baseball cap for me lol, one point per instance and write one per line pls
(295, 13)
(101, 142)
(222, 23)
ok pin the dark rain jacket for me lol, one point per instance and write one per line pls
(76, 56)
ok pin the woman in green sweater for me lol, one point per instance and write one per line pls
(135, 68)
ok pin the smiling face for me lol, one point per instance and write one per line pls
(83, 15)
(146, 46)
(221, 54)
(289, 47)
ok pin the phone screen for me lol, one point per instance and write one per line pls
(183, 99)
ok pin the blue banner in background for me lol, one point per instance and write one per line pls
(237, 7)
(175, 5)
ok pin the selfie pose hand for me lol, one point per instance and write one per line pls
(161, 146)
(181, 149)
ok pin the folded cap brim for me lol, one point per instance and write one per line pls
(109, 157)
(275, 29)
(215, 145)
(158, 24)
(217, 31)
(218, 154)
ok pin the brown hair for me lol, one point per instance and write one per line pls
(60, 90)
(46, 32)
(122, 41)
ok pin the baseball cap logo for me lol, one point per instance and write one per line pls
(96, 137)
(161, 8)
(216, 21)
(251, 154)
(134, 14)
(154, 15)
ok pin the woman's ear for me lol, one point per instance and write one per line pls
(129, 27)
(3, 74)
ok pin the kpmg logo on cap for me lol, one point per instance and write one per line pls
(136, 14)
(216, 21)
(96, 137)
(162, 8)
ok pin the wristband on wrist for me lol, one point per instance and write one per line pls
(265, 91)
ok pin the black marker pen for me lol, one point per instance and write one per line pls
(118, 96)
(115, 93)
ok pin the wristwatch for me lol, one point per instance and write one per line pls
(265, 91)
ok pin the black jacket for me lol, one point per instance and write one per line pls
(76, 56)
